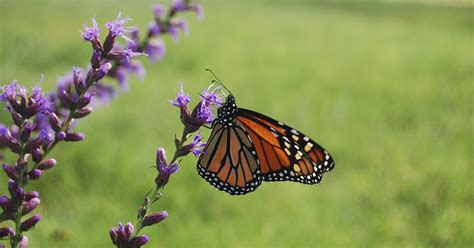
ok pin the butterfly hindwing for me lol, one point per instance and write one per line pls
(228, 161)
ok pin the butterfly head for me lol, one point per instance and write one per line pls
(226, 112)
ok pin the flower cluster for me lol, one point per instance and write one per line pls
(28, 139)
(127, 236)
(202, 112)
(40, 121)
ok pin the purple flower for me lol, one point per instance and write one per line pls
(11, 91)
(155, 50)
(197, 8)
(179, 5)
(210, 96)
(91, 33)
(183, 25)
(164, 173)
(173, 31)
(197, 145)
(117, 27)
(154, 28)
(19, 100)
(158, 10)
(102, 92)
(182, 99)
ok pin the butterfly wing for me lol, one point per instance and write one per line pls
(229, 160)
(284, 153)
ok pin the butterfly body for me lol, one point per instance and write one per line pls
(246, 148)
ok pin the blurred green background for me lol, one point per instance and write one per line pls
(386, 87)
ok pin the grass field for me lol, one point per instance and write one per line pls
(386, 87)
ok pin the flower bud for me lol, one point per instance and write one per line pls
(11, 171)
(78, 80)
(30, 223)
(17, 119)
(7, 138)
(65, 98)
(54, 122)
(36, 154)
(128, 229)
(83, 112)
(43, 138)
(154, 218)
(29, 206)
(6, 231)
(35, 174)
(30, 195)
(96, 58)
(60, 135)
(83, 101)
(5, 202)
(16, 192)
(26, 132)
(24, 242)
(161, 157)
(140, 240)
(99, 73)
(47, 164)
(113, 235)
(74, 137)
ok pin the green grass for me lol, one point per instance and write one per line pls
(385, 87)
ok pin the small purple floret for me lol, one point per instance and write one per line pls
(92, 32)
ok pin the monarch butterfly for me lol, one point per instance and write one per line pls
(246, 148)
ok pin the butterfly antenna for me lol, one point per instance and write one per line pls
(218, 81)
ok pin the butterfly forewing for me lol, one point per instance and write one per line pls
(285, 153)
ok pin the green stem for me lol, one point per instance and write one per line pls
(157, 193)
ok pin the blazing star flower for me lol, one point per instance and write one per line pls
(117, 27)
(91, 33)
(183, 25)
(182, 99)
(11, 91)
(210, 96)
(173, 31)
(155, 50)
(18, 99)
(158, 10)
(197, 8)
(196, 147)
(164, 173)
(154, 28)
(179, 5)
